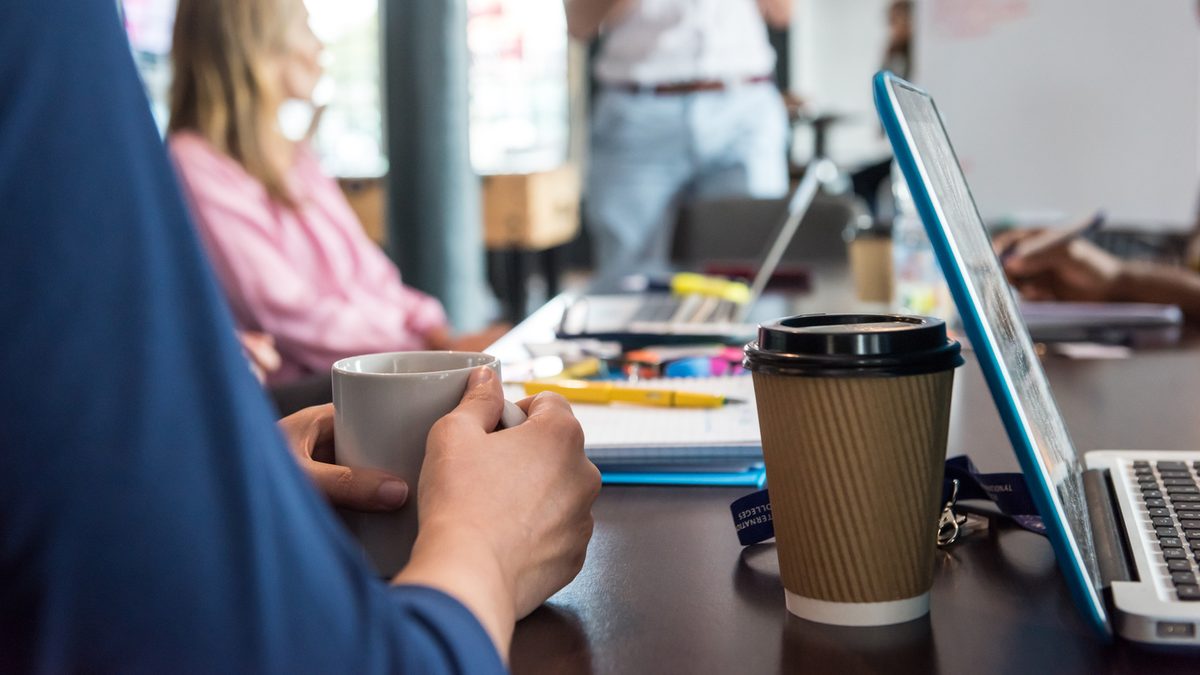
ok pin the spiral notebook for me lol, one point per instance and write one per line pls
(630, 432)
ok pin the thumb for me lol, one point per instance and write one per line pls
(358, 489)
(482, 403)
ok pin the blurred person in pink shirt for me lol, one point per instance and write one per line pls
(291, 255)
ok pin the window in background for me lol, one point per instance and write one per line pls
(350, 137)
(518, 85)
(149, 24)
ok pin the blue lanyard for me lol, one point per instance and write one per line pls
(752, 513)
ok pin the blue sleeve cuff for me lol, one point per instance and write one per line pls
(451, 629)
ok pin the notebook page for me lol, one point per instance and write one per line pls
(621, 431)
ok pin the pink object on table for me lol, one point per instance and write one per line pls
(308, 276)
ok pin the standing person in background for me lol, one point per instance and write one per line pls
(288, 250)
(898, 58)
(687, 108)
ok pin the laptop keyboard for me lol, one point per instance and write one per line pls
(657, 308)
(1171, 495)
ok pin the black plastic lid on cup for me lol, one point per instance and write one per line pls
(853, 345)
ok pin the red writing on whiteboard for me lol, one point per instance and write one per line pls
(966, 19)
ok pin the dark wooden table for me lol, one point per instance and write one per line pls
(667, 589)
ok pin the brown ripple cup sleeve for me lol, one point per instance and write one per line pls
(854, 412)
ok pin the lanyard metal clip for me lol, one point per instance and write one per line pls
(949, 522)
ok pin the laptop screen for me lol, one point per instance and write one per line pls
(993, 321)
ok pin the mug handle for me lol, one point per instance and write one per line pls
(511, 416)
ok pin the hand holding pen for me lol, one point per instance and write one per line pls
(1060, 264)
(1036, 242)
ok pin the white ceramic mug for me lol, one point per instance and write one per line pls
(385, 406)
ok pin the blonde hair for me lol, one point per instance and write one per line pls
(223, 87)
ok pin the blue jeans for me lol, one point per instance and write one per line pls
(650, 153)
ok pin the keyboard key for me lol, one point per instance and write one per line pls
(1166, 531)
(1156, 503)
(1188, 524)
(1170, 542)
(1179, 578)
(1179, 566)
(1180, 499)
(1171, 466)
(1188, 592)
(1143, 463)
(1144, 471)
(1158, 512)
(1183, 515)
(1171, 482)
(1153, 493)
(1174, 554)
(1175, 475)
(1193, 539)
(1181, 490)
(1165, 521)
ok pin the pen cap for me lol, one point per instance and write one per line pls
(852, 345)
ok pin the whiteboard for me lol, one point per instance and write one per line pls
(1066, 106)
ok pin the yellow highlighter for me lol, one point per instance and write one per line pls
(577, 391)
(690, 283)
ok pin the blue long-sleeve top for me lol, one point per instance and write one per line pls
(151, 519)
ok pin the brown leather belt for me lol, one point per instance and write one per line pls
(677, 88)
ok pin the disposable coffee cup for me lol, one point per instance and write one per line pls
(871, 267)
(870, 249)
(385, 405)
(854, 411)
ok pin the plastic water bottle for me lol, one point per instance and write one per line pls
(919, 286)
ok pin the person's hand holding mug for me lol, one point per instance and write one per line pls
(505, 516)
(1077, 270)
(309, 434)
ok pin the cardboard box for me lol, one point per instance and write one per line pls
(367, 199)
(531, 212)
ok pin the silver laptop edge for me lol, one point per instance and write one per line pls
(798, 205)
(622, 307)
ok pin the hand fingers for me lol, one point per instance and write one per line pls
(481, 404)
(1048, 260)
(1004, 241)
(1035, 291)
(550, 413)
(323, 423)
(358, 489)
(323, 443)
(308, 428)
(261, 349)
(546, 403)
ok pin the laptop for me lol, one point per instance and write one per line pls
(1136, 325)
(637, 319)
(1125, 525)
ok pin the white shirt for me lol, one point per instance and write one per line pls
(670, 41)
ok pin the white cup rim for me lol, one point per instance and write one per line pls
(342, 366)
